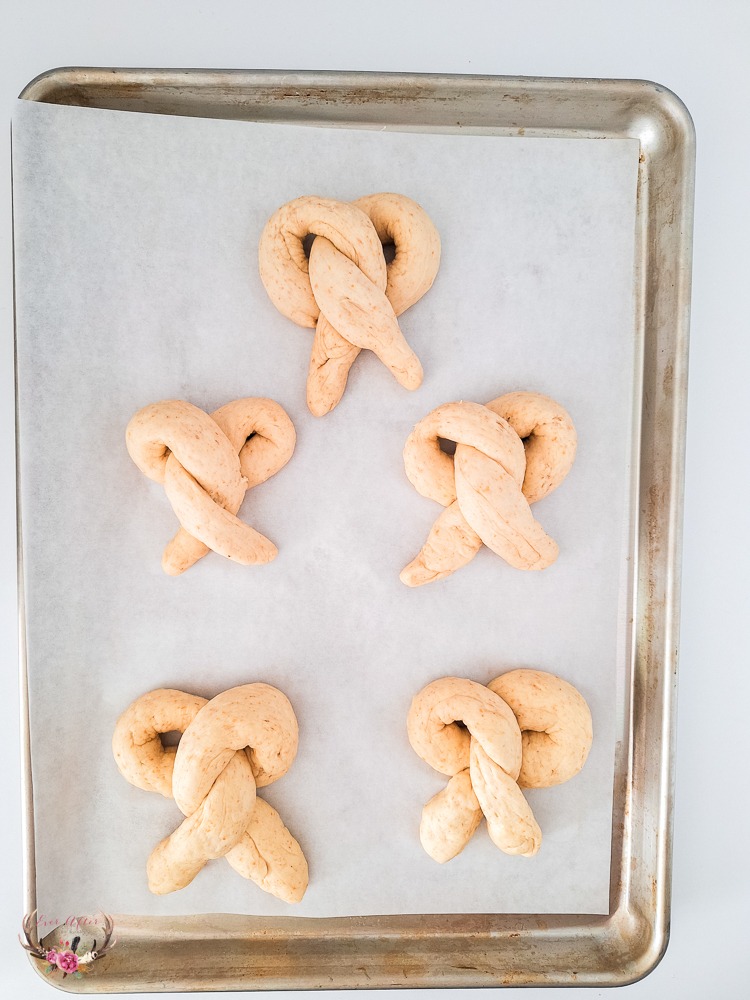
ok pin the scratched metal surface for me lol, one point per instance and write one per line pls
(226, 952)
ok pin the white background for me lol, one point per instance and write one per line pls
(699, 50)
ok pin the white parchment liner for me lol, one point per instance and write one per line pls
(137, 280)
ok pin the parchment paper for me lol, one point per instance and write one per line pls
(137, 280)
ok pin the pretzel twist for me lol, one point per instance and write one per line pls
(243, 738)
(346, 290)
(509, 453)
(472, 733)
(206, 464)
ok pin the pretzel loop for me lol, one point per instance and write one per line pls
(555, 724)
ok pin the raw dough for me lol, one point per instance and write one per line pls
(527, 728)
(243, 738)
(345, 290)
(555, 724)
(467, 731)
(206, 464)
(510, 453)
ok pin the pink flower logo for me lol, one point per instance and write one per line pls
(63, 956)
(67, 962)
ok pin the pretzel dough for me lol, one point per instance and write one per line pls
(486, 755)
(510, 453)
(555, 724)
(206, 464)
(526, 728)
(244, 738)
(345, 290)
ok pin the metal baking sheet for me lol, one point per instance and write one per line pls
(324, 937)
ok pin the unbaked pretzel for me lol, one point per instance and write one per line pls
(206, 464)
(471, 733)
(510, 453)
(345, 290)
(243, 738)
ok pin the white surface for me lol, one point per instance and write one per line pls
(115, 310)
(696, 49)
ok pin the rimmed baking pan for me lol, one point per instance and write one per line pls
(231, 952)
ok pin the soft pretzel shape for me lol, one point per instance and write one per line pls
(346, 290)
(527, 728)
(510, 453)
(243, 738)
(206, 464)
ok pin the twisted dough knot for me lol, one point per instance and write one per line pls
(346, 290)
(242, 739)
(510, 453)
(206, 464)
(526, 729)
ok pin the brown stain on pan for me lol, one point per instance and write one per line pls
(366, 95)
